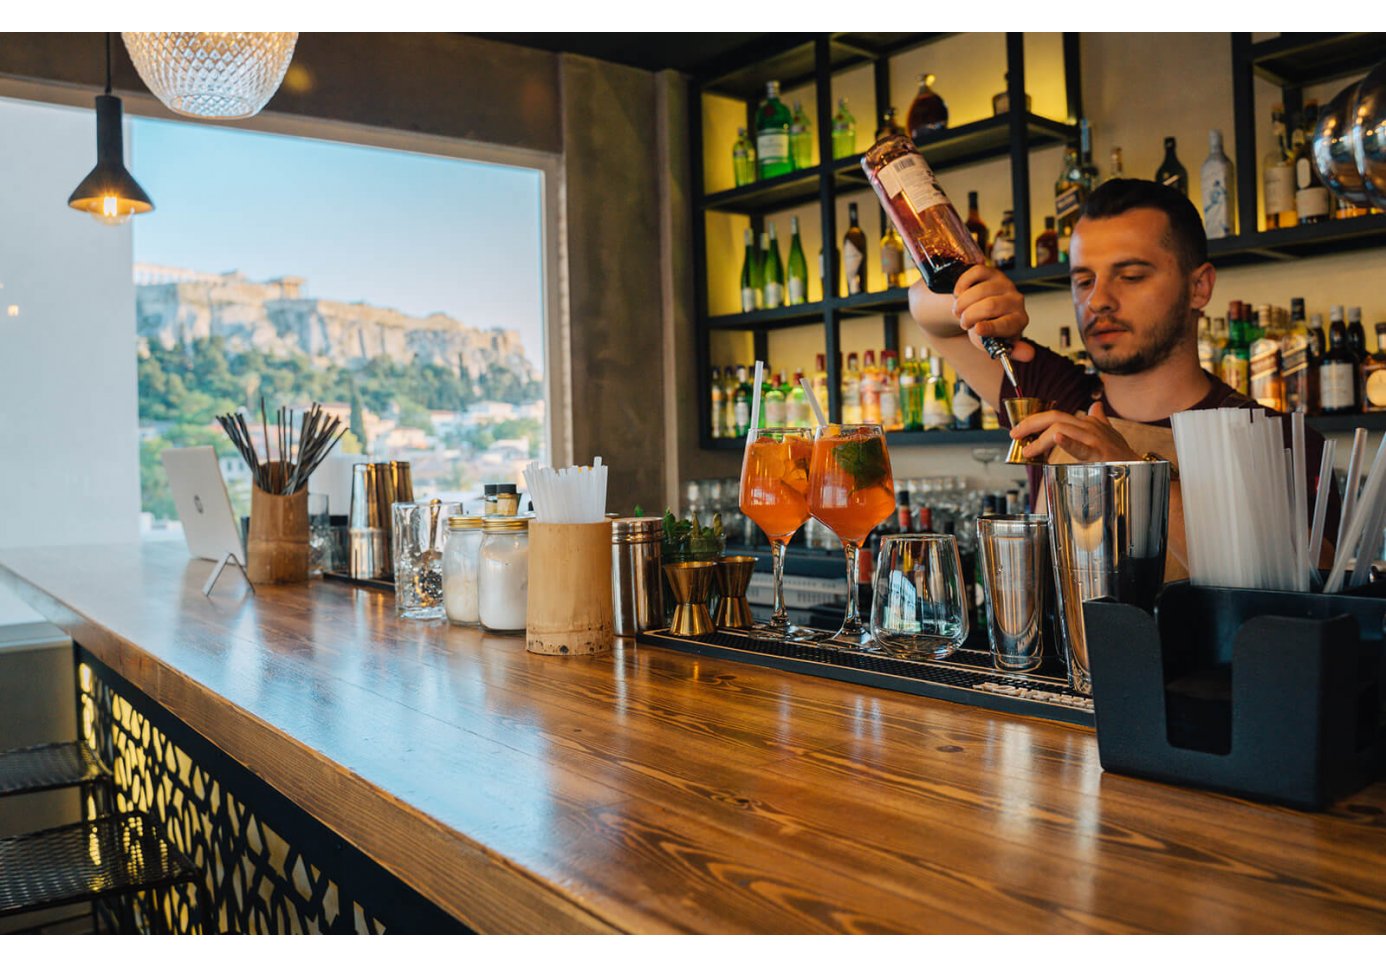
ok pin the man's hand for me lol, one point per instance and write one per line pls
(1087, 436)
(984, 303)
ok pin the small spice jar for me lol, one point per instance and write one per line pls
(503, 574)
(460, 559)
(507, 499)
(489, 492)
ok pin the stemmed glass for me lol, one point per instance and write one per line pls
(774, 494)
(851, 490)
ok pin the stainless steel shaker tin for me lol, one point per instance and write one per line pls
(637, 582)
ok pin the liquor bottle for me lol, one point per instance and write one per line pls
(752, 293)
(743, 159)
(967, 407)
(928, 114)
(819, 382)
(1318, 339)
(890, 391)
(904, 519)
(1356, 336)
(772, 134)
(729, 385)
(1219, 342)
(1236, 362)
(1338, 373)
(1299, 369)
(854, 254)
(1116, 170)
(1374, 375)
(892, 257)
(1207, 349)
(975, 226)
(1068, 200)
(934, 235)
(742, 403)
(836, 288)
(1267, 385)
(1171, 172)
(800, 138)
(717, 403)
(851, 391)
(911, 393)
(1088, 174)
(989, 419)
(772, 408)
(870, 389)
(938, 409)
(796, 405)
(1311, 195)
(844, 131)
(1345, 207)
(1047, 245)
(1001, 103)
(1003, 246)
(889, 126)
(772, 268)
(1278, 176)
(797, 270)
(1219, 189)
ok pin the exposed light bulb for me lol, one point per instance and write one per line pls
(110, 213)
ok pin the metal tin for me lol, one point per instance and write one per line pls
(637, 582)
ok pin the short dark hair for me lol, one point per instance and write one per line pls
(1186, 236)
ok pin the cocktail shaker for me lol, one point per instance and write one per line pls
(637, 585)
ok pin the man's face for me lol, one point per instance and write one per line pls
(1130, 297)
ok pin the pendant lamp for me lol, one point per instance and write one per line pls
(223, 75)
(110, 193)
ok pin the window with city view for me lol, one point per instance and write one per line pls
(402, 291)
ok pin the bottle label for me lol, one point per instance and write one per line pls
(1311, 202)
(1236, 373)
(910, 176)
(772, 146)
(775, 412)
(852, 259)
(892, 261)
(798, 292)
(890, 407)
(1066, 205)
(1217, 217)
(1171, 180)
(748, 299)
(1336, 390)
(1376, 389)
(965, 405)
(742, 412)
(1279, 187)
(1002, 250)
(774, 295)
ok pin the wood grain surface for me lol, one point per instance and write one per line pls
(651, 791)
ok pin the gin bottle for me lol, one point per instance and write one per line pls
(773, 120)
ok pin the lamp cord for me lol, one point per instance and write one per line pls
(108, 62)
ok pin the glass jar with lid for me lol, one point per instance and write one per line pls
(460, 558)
(503, 574)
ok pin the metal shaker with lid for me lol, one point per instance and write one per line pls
(637, 581)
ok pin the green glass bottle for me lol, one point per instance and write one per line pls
(772, 402)
(797, 270)
(800, 138)
(743, 159)
(750, 275)
(773, 268)
(844, 131)
(911, 392)
(772, 134)
(741, 403)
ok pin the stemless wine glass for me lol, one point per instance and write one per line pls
(851, 490)
(774, 494)
(918, 602)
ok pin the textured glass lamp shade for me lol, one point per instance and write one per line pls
(224, 75)
(109, 192)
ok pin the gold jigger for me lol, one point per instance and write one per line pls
(692, 584)
(733, 576)
(1017, 409)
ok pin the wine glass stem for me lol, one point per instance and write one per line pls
(780, 618)
(852, 619)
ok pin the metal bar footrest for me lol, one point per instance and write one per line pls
(51, 766)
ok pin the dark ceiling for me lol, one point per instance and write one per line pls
(687, 52)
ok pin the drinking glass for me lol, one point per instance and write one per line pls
(919, 604)
(851, 490)
(320, 538)
(774, 494)
(421, 528)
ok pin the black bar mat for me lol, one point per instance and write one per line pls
(379, 584)
(966, 677)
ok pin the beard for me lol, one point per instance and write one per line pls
(1157, 345)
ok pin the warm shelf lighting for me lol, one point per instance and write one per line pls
(109, 193)
(224, 75)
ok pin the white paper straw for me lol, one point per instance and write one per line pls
(1300, 522)
(1347, 549)
(818, 413)
(755, 398)
(1354, 475)
(1321, 498)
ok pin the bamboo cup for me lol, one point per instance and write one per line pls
(568, 611)
(277, 545)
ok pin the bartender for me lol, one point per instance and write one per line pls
(1139, 274)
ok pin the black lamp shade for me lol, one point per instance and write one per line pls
(110, 192)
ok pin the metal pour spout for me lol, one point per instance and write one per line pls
(1000, 350)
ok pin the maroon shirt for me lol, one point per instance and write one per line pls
(1052, 377)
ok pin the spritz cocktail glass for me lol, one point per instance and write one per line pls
(774, 494)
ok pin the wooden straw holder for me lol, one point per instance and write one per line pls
(569, 608)
(277, 548)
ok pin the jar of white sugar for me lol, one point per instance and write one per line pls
(503, 574)
(460, 591)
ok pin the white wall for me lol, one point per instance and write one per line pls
(69, 452)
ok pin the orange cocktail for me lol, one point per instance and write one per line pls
(851, 490)
(774, 494)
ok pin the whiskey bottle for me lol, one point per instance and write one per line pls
(889, 126)
(1003, 246)
(1087, 170)
(1374, 375)
(1267, 386)
(844, 131)
(743, 159)
(1338, 373)
(854, 254)
(796, 281)
(1219, 187)
(800, 138)
(1047, 244)
(934, 235)
(1068, 199)
(772, 134)
(975, 226)
(1001, 103)
(772, 268)
(892, 257)
(752, 294)
(1311, 195)
(1171, 172)
(1299, 364)
(928, 114)
(1278, 176)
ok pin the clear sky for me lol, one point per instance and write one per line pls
(417, 233)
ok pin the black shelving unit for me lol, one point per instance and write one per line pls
(799, 59)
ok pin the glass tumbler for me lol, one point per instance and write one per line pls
(421, 529)
(919, 606)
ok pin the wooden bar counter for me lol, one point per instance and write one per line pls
(651, 791)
